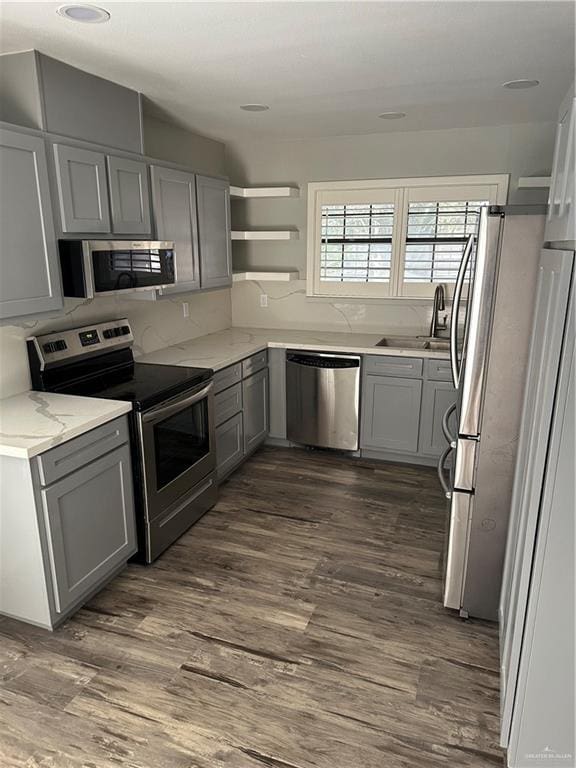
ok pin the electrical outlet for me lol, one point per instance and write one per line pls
(185, 309)
(263, 300)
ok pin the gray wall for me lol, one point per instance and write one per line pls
(167, 141)
(520, 150)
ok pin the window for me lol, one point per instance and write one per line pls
(393, 238)
(356, 243)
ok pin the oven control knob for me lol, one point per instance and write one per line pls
(108, 333)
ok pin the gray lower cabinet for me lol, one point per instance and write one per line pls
(82, 189)
(391, 413)
(437, 397)
(67, 520)
(129, 196)
(255, 403)
(241, 411)
(229, 445)
(89, 524)
(174, 206)
(403, 404)
(29, 275)
(213, 200)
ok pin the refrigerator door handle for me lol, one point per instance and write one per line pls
(454, 363)
(445, 427)
(457, 553)
(440, 469)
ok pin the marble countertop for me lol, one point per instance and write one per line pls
(34, 422)
(218, 350)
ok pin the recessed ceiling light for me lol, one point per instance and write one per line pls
(392, 115)
(254, 107)
(85, 14)
(518, 85)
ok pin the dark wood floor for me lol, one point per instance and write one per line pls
(298, 625)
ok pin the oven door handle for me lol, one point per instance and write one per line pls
(173, 406)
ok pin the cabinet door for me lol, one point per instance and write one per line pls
(82, 189)
(437, 397)
(29, 277)
(255, 400)
(174, 206)
(391, 413)
(90, 528)
(214, 232)
(229, 445)
(129, 196)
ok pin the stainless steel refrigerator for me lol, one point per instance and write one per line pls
(491, 324)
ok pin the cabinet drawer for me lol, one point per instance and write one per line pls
(75, 453)
(229, 445)
(227, 403)
(438, 370)
(227, 377)
(254, 363)
(409, 367)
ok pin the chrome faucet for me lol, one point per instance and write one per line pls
(439, 305)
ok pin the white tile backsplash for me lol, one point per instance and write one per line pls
(155, 324)
(289, 307)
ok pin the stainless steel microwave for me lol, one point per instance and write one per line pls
(98, 267)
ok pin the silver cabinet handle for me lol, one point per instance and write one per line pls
(456, 311)
(441, 462)
(445, 428)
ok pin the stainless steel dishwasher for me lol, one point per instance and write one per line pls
(323, 399)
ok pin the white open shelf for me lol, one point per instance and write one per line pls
(247, 192)
(282, 277)
(534, 182)
(255, 234)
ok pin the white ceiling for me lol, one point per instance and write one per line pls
(324, 68)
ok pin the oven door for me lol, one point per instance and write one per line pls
(178, 447)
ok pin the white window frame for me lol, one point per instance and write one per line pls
(493, 188)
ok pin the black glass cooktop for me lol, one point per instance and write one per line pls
(143, 384)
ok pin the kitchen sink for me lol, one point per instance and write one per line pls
(415, 342)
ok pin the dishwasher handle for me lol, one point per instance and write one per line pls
(322, 360)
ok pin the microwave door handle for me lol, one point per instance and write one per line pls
(454, 363)
(445, 426)
(440, 469)
(175, 405)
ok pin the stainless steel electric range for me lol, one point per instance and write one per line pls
(172, 421)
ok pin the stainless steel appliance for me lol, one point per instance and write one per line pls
(96, 267)
(494, 296)
(172, 421)
(322, 399)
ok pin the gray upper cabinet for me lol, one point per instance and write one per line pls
(390, 413)
(174, 205)
(90, 528)
(40, 92)
(437, 397)
(214, 231)
(255, 402)
(129, 196)
(82, 190)
(29, 277)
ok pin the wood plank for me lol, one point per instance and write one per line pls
(297, 625)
